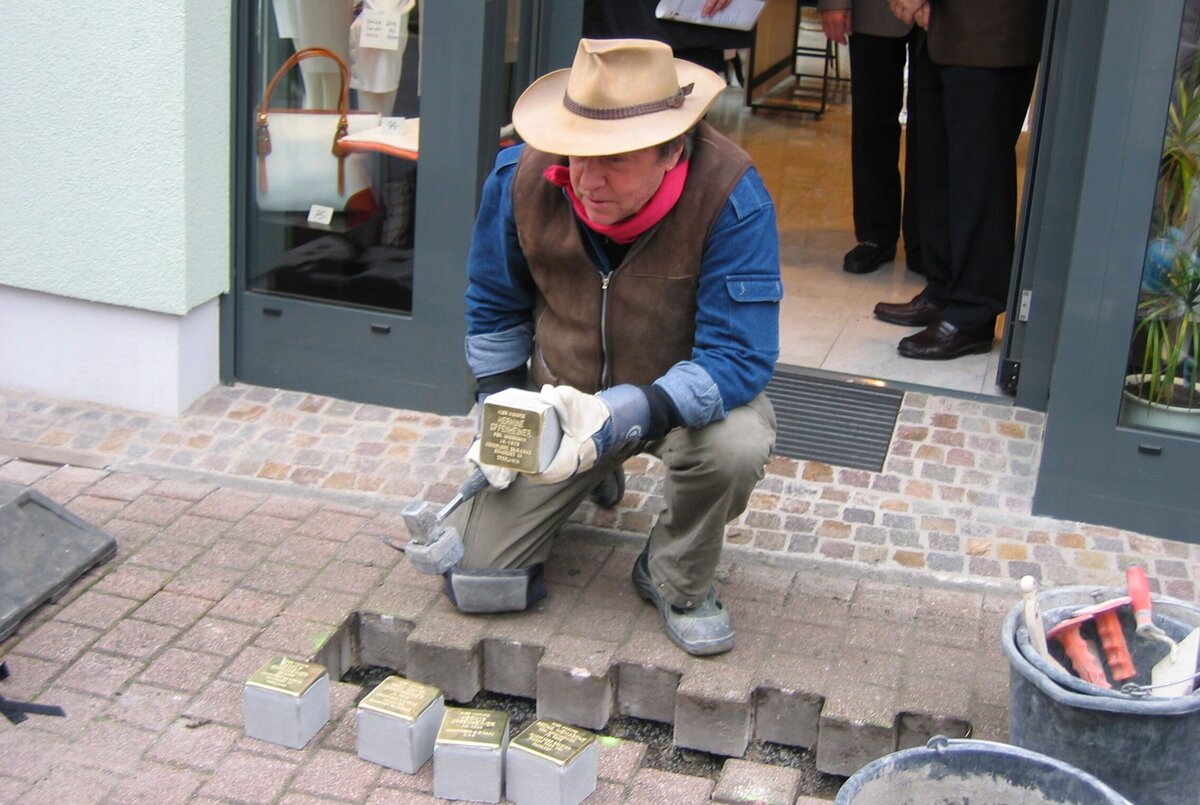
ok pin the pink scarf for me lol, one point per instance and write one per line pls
(626, 231)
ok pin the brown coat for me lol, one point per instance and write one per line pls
(986, 33)
(591, 333)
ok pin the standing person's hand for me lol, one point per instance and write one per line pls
(908, 10)
(837, 24)
(921, 17)
(713, 6)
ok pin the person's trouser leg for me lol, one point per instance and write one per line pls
(710, 474)
(984, 109)
(876, 97)
(515, 527)
(932, 180)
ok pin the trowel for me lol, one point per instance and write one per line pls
(1174, 674)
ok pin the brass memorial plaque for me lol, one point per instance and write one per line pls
(466, 727)
(511, 436)
(400, 697)
(287, 676)
(553, 741)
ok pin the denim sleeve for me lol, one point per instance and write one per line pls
(737, 317)
(500, 293)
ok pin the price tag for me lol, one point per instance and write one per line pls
(319, 214)
(393, 125)
(380, 30)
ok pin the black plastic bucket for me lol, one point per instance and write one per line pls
(1144, 747)
(978, 772)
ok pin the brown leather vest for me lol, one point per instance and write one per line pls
(592, 334)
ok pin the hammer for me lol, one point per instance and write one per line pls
(435, 547)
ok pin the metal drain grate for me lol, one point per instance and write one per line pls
(841, 423)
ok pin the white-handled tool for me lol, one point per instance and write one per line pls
(1033, 622)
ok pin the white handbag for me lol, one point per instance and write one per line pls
(300, 158)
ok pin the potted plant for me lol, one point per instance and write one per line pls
(1168, 334)
(1161, 390)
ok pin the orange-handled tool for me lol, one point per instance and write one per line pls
(1139, 597)
(1112, 637)
(1083, 656)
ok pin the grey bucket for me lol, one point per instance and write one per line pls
(978, 772)
(1145, 747)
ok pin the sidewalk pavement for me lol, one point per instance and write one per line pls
(867, 605)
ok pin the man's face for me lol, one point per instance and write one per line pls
(614, 187)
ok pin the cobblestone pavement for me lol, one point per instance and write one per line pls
(867, 604)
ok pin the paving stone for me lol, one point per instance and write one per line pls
(182, 669)
(383, 640)
(73, 785)
(789, 699)
(205, 581)
(132, 581)
(146, 706)
(745, 783)
(654, 787)
(618, 760)
(97, 673)
(335, 774)
(58, 641)
(97, 610)
(714, 710)
(446, 651)
(857, 726)
(194, 745)
(649, 667)
(158, 783)
(510, 666)
(575, 682)
(173, 609)
(244, 777)
(138, 639)
(249, 606)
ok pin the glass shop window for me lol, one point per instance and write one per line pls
(335, 145)
(1161, 389)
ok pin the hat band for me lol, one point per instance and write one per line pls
(623, 112)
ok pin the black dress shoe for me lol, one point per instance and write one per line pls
(942, 341)
(917, 312)
(867, 256)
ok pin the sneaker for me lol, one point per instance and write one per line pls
(704, 629)
(610, 490)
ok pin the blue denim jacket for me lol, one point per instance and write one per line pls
(737, 315)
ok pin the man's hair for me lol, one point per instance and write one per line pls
(687, 140)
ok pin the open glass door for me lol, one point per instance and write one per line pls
(1130, 314)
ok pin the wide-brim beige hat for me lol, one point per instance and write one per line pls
(619, 95)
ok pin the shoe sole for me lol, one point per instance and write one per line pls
(870, 269)
(974, 349)
(907, 322)
(645, 589)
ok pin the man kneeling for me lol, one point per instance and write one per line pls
(625, 261)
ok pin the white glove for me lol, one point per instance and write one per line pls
(592, 425)
(498, 477)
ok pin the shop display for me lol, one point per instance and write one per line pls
(300, 160)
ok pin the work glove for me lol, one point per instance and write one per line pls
(497, 477)
(592, 425)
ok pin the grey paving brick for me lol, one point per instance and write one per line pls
(136, 638)
(383, 640)
(714, 708)
(446, 651)
(649, 668)
(58, 641)
(789, 699)
(94, 672)
(858, 725)
(510, 665)
(575, 682)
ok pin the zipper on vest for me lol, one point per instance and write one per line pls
(604, 280)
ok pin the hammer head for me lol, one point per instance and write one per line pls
(421, 518)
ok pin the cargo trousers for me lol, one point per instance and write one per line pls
(709, 474)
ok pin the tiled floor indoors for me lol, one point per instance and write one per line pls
(826, 319)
